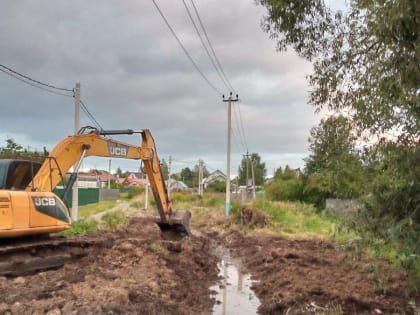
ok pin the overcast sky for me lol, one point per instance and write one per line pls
(133, 74)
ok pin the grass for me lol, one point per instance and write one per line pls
(80, 227)
(297, 219)
(91, 209)
(114, 220)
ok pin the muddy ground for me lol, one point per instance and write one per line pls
(135, 271)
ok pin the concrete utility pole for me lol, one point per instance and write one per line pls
(253, 180)
(169, 176)
(146, 194)
(229, 132)
(75, 199)
(200, 177)
(246, 157)
(109, 174)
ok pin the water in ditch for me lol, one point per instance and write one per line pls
(233, 293)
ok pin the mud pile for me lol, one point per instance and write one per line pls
(310, 276)
(130, 271)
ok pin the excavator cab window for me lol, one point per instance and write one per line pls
(17, 175)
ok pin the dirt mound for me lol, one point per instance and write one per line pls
(130, 271)
(308, 276)
(253, 217)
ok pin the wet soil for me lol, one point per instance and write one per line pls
(316, 277)
(136, 271)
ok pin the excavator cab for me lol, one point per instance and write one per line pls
(17, 174)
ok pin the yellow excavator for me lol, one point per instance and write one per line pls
(29, 206)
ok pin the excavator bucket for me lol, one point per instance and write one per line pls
(177, 225)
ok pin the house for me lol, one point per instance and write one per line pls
(104, 177)
(216, 176)
(84, 180)
(135, 179)
(177, 185)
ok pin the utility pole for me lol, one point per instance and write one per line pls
(169, 176)
(200, 177)
(146, 194)
(75, 199)
(109, 174)
(229, 132)
(253, 179)
(246, 157)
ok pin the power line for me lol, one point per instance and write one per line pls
(241, 137)
(90, 116)
(242, 125)
(36, 81)
(211, 46)
(34, 85)
(204, 45)
(241, 129)
(185, 50)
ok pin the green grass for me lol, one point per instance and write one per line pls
(91, 209)
(114, 220)
(297, 218)
(81, 227)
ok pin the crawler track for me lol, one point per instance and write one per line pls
(25, 256)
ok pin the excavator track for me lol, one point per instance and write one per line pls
(28, 256)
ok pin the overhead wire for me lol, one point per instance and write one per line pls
(205, 46)
(241, 128)
(48, 88)
(185, 50)
(241, 124)
(90, 116)
(211, 46)
(34, 85)
(36, 81)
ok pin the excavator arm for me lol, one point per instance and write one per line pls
(70, 150)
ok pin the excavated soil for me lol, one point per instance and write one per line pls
(136, 271)
(315, 277)
(131, 271)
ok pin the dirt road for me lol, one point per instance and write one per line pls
(135, 271)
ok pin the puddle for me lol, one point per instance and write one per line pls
(234, 294)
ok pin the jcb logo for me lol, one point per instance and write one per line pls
(116, 149)
(44, 201)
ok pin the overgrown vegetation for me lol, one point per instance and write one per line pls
(114, 220)
(365, 67)
(82, 226)
(91, 209)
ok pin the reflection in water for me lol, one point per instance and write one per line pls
(234, 292)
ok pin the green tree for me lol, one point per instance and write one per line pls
(119, 172)
(188, 177)
(164, 168)
(11, 147)
(286, 185)
(260, 171)
(333, 161)
(365, 61)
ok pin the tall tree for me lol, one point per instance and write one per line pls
(11, 147)
(333, 163)
(254, 160)
(365, 61)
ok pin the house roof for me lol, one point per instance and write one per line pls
(215, 176)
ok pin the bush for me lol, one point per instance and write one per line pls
(284, 190)
(115, 219)
(134, 191)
